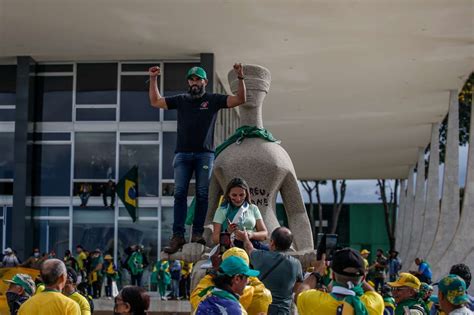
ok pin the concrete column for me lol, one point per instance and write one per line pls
(401, 214)
(449, 215)
(419, 208)
(431, 217)
(21, 236)
(408, 219)
(462, 246)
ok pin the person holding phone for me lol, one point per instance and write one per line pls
(237, 215)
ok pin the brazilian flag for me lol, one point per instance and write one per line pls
(127, 191)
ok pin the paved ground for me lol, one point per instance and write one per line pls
(103, 306)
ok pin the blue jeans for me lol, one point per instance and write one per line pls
(185, 163)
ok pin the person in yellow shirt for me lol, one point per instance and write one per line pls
(81, 259)
(365, 254)
(349, 294)
(71, 292)
(255, 298)
(51, 301)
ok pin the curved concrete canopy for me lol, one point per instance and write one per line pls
(356, 84)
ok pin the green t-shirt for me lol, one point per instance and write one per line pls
(248, 219)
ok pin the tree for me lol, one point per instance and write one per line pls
(320, 205)
(308, 186)
(390, 207)
(338, 202)
(465, 100)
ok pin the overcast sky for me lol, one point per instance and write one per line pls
(364, 191)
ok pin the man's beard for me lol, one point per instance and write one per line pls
(196, 92)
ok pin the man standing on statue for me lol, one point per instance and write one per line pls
(197, 113)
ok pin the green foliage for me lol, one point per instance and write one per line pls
(465, 101)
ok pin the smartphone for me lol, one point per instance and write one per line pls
(327, 243)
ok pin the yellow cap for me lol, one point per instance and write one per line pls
(108, 257)
(406, 280)
(236, 251)
(364, 251)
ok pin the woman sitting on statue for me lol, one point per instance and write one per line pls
(238, 215)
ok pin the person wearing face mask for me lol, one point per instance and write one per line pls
(197, 113)
(51, 301)
(132, 300)
(34, 261)
(230, 282)
(238, 215)
(21, 288)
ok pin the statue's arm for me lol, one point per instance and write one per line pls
(296, 212)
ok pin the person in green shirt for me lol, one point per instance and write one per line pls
(161, 276)
(237, 213)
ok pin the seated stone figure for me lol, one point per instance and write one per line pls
(265, 165)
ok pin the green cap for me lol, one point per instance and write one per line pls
(24, 281)
(454, 289)
(234, 265)
(197, 71)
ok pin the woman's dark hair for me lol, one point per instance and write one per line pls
(137, 298)
(237, 182)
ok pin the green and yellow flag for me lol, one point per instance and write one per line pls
(127, 191)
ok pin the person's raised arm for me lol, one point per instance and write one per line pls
(241, 97)
(156, 100)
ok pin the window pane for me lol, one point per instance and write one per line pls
(142, 212)
(51, 136)
(175, 83)
(7, 114)
(52, 170)
(54, 98)
(54, 68)
(94, 228)
(50, 211)
(135, 67)
(134, 136)
(167, 226)
(146, 158)
(169, 145)
(52, 235)
(6, 162)
(134, 100)
(96, 114)
(96, 83)
(142, 233)
(95, 155)
(7, 85)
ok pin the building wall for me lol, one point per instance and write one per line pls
(367, 228)
(93, 122)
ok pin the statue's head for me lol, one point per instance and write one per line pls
(257, 82)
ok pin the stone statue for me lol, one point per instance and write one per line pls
(265, 166)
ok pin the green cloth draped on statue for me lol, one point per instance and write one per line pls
(238, 137)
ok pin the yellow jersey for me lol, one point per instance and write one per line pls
(82, 301)
(49, 303)
(314, 302)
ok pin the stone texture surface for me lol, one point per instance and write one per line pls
(449, 215)
(408, 219)
(419, 209)
(401, 215)
(461, 248)
(266, 166)
(431, 216)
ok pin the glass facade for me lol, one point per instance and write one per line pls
(93, 122)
